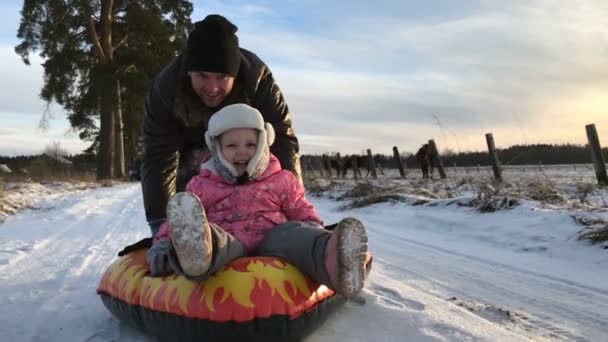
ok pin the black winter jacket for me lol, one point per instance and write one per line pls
(175, 122)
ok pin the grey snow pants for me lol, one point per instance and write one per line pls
(301, 244)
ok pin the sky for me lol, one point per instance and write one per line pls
(395, 73)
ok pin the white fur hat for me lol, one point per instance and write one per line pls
(237, 115)
(241, 116)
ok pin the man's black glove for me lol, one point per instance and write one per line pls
(158, 259)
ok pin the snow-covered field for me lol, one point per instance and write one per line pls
(445, 269)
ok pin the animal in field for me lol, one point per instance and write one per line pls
(331, 165)
(362, 161)
(424, 157)
(336, 165)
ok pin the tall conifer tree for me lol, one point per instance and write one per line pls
(99, 58)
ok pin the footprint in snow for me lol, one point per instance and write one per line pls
(392, 298)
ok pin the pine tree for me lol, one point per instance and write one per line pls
(99, 57)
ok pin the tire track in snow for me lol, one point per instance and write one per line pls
(466, 276)
(91, 229)
(74, 234)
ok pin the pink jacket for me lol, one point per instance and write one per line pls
(248, 211)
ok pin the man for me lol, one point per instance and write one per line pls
(212, 72)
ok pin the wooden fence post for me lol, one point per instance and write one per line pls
(494, 156)
(399, 161)
(371, 164)
(437, 159)
(596, 154)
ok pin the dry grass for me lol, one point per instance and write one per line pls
(496, 203)
(480, 192)
(24, 195)
(362, 190)
(595, 236)
(106, 183)
(47, 176)
(9, 198)
(595, 231)
(583, 190)
(373, 199)
(357, 195)
(491, 197)
(545, 192)
(319, 186)
(362, 194)
(580, 197)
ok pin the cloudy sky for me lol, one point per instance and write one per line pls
(395, 73)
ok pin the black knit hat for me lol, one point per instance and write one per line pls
(213, 46)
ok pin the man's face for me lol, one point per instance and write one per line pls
(211, 87)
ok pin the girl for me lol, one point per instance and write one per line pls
(243, 203)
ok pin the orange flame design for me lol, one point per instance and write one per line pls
(124, 276)
(175, 291)
(244, 289)
(239, 285)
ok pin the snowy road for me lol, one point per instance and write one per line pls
(53, 258)
(529, 282)
(559, 307)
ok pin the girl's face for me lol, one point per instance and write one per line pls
(238, 146)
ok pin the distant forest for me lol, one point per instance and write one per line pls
(545, 154)
(526, 154)
(80, 161)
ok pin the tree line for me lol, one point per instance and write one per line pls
(546, 154)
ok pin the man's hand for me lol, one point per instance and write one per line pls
(158, 259)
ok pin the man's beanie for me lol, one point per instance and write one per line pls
(214, 47)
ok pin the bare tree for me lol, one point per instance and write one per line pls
(55, 150)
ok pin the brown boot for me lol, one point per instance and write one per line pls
(345, 256)
(190, 233)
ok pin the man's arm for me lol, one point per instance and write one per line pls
(159, 164)
(270, 102)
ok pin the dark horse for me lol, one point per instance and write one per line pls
(331, 163)
(363, 162)
(424, 157)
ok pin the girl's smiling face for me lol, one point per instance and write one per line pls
(238, 145)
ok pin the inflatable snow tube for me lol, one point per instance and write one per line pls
(251, 299)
